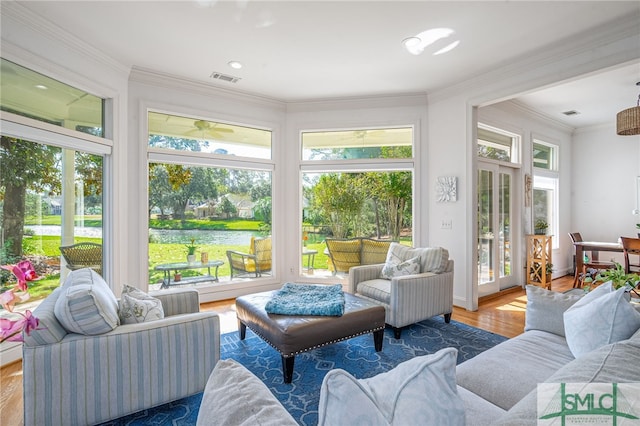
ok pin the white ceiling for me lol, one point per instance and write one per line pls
(303, 50)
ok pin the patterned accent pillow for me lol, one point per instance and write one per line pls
(86, 304)
(137, 306)
(422, 388)
(408, 267)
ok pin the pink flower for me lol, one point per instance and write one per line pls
(11, 330)
(8, 299)
(23, 272)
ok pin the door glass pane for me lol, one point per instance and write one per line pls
(543, 206)
(485, 226)
(504, 223)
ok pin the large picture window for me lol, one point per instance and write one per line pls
(210, 189)
(52, 178)
(368, 193)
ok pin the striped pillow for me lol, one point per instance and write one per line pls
(87, 305)
(435, 259)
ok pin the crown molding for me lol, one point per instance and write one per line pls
(168, 81)
(613, 43)
(24, 17)
(539, 115)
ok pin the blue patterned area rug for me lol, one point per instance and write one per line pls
(357, 356)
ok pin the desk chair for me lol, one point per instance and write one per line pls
(631, 247)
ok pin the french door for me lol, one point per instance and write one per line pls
(496, 223)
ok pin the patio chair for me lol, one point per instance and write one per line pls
(83, 255)
(254, 263)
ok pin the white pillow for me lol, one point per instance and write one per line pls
(137, 306)
(432, 259)
(86, 304)
(601, 317)
(423, 388)
(408, 267)
(546, 308)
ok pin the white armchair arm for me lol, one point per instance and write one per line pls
(178, 301)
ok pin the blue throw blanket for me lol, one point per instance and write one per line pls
(307, 299)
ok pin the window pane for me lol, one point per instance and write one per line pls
(30, 94)
(485, 227)
(543, 156)
(348, 205)
(191, 134)
(50, 197)
(543, 206)
(214, 209)
(495, 146)
(356, 144)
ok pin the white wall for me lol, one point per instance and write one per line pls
(604, 171)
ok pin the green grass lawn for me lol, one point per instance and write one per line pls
(158, 253)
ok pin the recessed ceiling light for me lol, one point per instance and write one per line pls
(235, 64)
(447, 48)
(41, 87)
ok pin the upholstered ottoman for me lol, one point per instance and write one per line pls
(293, 334)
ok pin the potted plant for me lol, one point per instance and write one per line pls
(617, 276)
(536, 266)
(540, 227)
(191, 251)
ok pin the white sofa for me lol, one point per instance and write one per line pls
(497, 387)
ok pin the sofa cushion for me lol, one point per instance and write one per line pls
(491, 374)
(378, 289)
(601, 317)
(235, 396)
(136, 306)
(86, 304)
(396, 268)
(614, 363)
(420, 388)
(545, 309)
(479, 411)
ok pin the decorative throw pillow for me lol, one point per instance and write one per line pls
(235, 396)
(423, 387)
(86, 304)
(545, 309)
(137, 306)
(601, 317)
(408, 267)
(397, 254)
(435, 259)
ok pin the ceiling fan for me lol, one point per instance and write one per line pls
(205, 128)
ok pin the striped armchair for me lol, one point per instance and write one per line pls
(73, 379)
(408, 298)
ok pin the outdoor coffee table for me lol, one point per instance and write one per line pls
(293, 334)
(166, 268)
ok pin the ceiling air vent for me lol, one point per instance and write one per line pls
(224, 77)
(572, 112)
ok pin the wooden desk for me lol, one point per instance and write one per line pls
(594, 247)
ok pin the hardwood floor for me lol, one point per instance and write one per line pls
(501, 314)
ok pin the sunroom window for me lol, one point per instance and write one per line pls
(210, 188)
(355, 184)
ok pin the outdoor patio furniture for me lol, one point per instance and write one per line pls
(345, 253)
(254, 263)
(83, 255)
